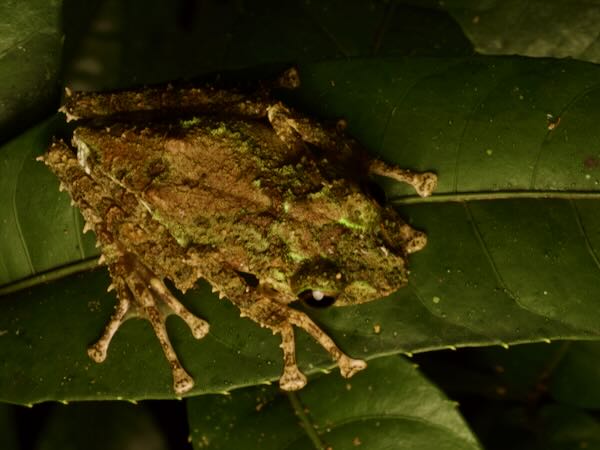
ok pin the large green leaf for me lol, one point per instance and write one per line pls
(149, 41)
(523, 397)
(39, 230)
(557, 28)
(110, 45)
(390, 406)
(30, 48)
(513, 233)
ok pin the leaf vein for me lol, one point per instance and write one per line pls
(497, 275)
(305, 422)
(561, 114)
(77, 226)
(585, 236)
(496, 195)
(17, 222)
(468, 121)
(409, 89)
(328, 34)
(393, 417)
(475, 333)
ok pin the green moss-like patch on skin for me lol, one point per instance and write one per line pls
(347, 223)
(188, 123)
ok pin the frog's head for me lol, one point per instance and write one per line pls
(361, 274)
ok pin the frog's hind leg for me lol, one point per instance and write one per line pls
(141, 294)
(204, 99)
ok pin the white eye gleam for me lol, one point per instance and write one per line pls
(316, 298)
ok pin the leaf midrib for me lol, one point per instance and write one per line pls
(497, 195)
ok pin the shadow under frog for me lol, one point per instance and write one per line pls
(263, 202)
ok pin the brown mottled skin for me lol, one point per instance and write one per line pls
(264, 203)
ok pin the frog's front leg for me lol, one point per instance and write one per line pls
(261, 305)
(292, 127)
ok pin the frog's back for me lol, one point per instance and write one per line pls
(201, 165)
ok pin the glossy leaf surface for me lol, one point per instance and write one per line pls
(390, 406)
(513, 235)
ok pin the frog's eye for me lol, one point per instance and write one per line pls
(316, 299)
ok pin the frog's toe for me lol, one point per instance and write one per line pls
(425, 183)
(292, 379)
(349, 366)
(182, 381)
(416, 242)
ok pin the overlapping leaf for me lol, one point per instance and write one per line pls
(560, 28)
(30, 50)
(513, 236)
(390, 406)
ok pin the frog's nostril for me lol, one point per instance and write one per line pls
(316, 298)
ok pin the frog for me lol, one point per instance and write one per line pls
(233, 186)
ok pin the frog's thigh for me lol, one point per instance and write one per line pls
(190, 100)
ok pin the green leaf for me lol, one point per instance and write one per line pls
(559, 28)
(513, 236)
(192, 38)
(514, 398)
(30, 50)
(389, 406)
(39, 230)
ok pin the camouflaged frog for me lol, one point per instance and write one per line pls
(266, 204)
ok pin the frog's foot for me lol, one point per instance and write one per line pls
(281, 318)
(414, 240)
(423, 182)
(142, 294)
